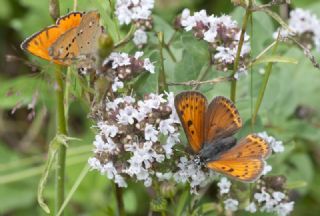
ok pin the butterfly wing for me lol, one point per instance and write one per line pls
(222, 119)
(38, 44)
(242, 169)
(245, 161)
(89, 32)
(78, 43)
(65, 48)
(250, 146)
(191, 108)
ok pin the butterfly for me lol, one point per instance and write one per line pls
(74, 37)
(210, 129)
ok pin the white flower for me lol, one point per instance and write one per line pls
(283, 209)
(190, 172)
(231, 204)
(241, 72)
(262, 197)
(211, 34)
(128, 100)
(164, 176)
(118, 59)
(224, 185)
(113, 105)
(94, 163)
(277, 146)
(129, 10)
(117, 84)
(140, 37)
(166, 127)
(252, 208)
(138, 54)
(224, 54)
(148, 65)
(108, 130)
(150, 133)
(126, 116)
(171, 141)
(267, 168)
(278, 196)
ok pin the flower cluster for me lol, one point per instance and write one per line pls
(122, 67)
(305, 26)
(222, 33)
(135, 137)
(268, 197)
(189, 171)
(138, 12)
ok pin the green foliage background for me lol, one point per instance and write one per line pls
(23, 143)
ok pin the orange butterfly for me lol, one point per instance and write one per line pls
(210, 131)
(74, 36)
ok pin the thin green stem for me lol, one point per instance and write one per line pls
(263, 87)
(162, 84)
(120, 204)
(203, 73)
(126, 39)
(61, 129)
(167, 47)
(233, 90)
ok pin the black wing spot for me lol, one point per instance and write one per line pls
(223, 168)
(230, 170)
(88, 42)
(192, 132)
(196, 107)
(181, 112)
(252, 152)
(190, 123)
(187, 105)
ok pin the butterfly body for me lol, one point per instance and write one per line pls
(210, 129)
(212, 151)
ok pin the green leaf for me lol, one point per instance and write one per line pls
(275, 59)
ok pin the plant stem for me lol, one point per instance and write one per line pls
(237, 59)
(120, 204)
(203, 73)
(162, 85)
(61, 129)
(263, 87)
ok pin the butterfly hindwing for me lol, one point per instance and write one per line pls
(250, 146)
(222, 119)
(89, 32)
(242, 169)
(191, 108)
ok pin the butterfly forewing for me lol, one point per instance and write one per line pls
(222, 119)
(39, 43)
(250, 146)
(191, 107)
(242, 169)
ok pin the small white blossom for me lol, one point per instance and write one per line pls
(278, 196)
(164, 176)
(147, 65)
(283, 209)
(166, 126)
(94, 163)
(224, 185)
(150, 133)
(231, 204)
(117, 84)
(140, 37)
(262, 197)
(108, 130)
(130, 10)
(138, 54)
(277, 146)
(252, 208)
(267, 168)
(118, 59)
(126, 116)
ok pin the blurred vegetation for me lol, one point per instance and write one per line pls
(290, 109)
